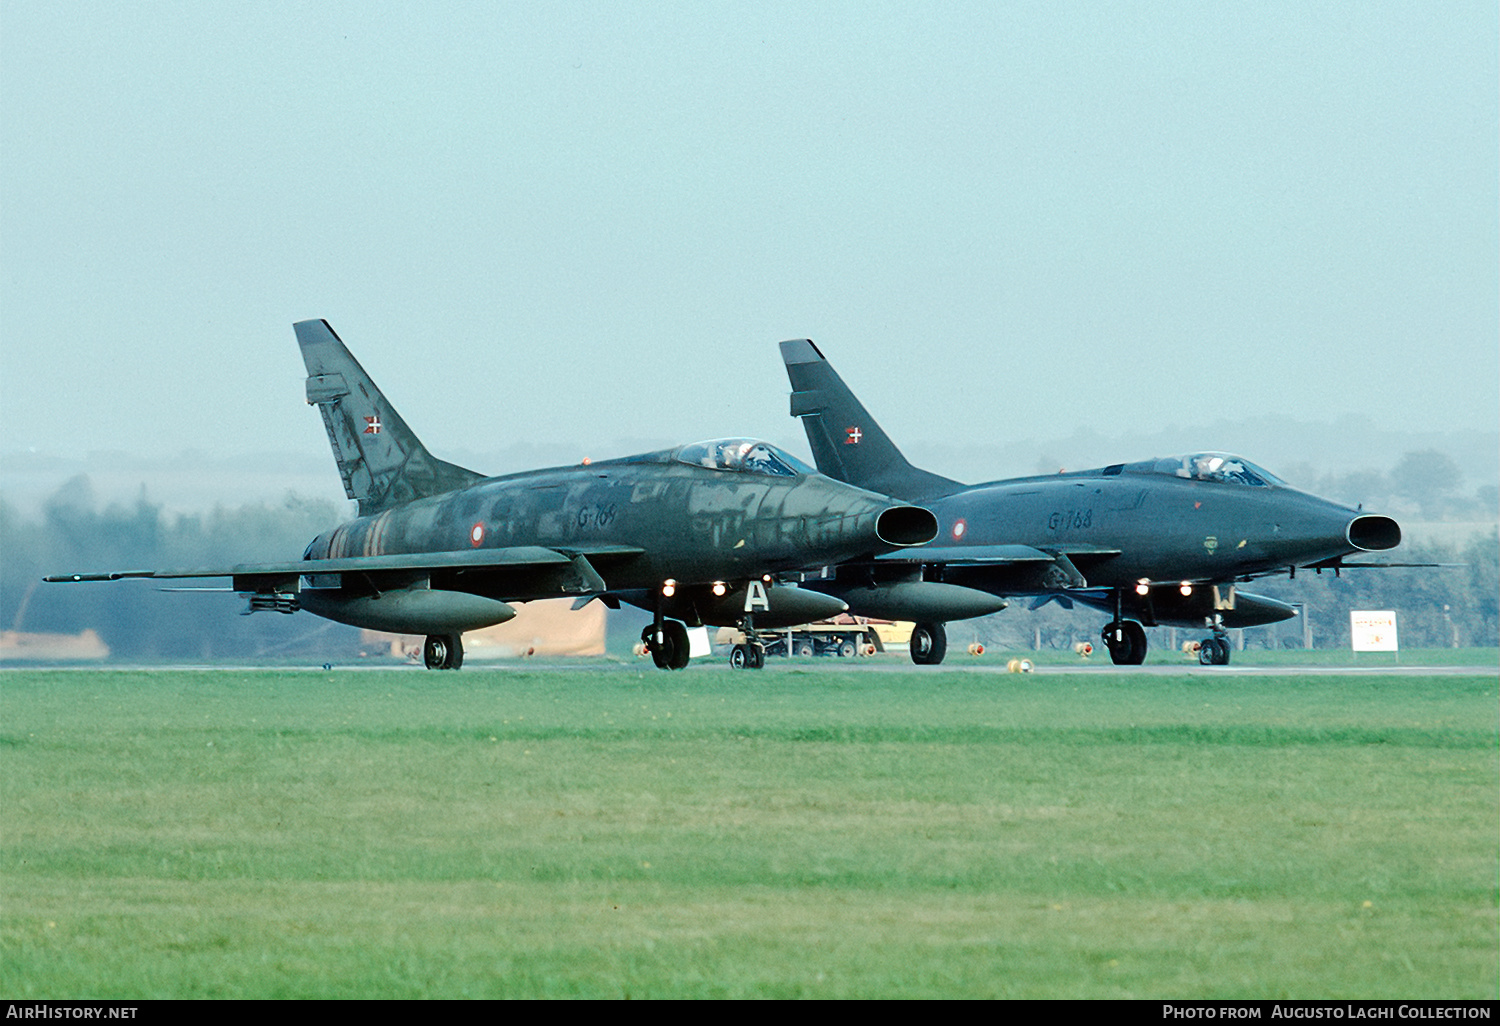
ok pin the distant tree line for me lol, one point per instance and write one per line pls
(139, 620)
(1427, 482)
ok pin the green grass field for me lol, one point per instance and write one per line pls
(799, 832)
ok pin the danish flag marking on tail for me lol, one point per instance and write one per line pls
(372, 425)
(855, 434)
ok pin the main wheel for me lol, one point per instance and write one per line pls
(739, 657)
(929, 643)
(681, 650)
(670, 649)
(1126, 641)
(443, 652)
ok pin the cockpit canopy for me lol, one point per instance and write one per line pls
(1206, 466)
(744, 455)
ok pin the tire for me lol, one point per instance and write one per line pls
(929, 643)
(679, 648)
(739, 657)
(435, 651)
(847, 650)
(805, 649)
(1126, 641)
(443, 651)
(1214, 652)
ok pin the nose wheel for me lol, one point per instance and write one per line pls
(1214, 651)
(747, 657)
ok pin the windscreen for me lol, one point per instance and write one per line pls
(743, 455)
(1216, 466)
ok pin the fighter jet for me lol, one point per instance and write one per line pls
(1160, 541)
(697, 535)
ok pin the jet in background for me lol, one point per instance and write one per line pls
(1161, 541)
(696, 535)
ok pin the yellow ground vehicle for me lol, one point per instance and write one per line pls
(844, 636)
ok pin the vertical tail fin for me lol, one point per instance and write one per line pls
(381, 461)
(846, 442)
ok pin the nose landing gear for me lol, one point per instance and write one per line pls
(752, 654)
(1214, 651)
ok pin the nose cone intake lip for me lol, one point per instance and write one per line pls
(1374, 533)
(906, 525)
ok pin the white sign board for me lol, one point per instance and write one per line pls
(699, 644)
(1372, 630)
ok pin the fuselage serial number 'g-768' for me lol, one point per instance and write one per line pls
(1070, 519)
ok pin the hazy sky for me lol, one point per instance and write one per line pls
(541, 222)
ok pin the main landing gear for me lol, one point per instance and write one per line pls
(1126, 641)
(929, 643)
(443, 651)
(667, 641)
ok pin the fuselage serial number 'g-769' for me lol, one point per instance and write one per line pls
(596, 516)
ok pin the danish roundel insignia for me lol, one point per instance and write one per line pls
(476, 535)
(960, 528)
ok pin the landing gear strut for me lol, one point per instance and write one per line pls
(1126, 641)
(443, 651)
(929, 643)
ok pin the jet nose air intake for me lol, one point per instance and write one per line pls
(906, 525)
(1374, 533)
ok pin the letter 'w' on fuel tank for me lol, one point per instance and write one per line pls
(380, 459)
(847, 444)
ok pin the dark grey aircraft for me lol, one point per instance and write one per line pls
(697, 535)
(1162, 541)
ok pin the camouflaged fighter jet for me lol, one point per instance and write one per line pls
(1162, 541)
(697, 535)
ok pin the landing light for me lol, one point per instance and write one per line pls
(1143, 587)
(1186, 588)
(719, 589)
(669, 587)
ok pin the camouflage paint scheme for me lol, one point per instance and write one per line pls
(696, 534)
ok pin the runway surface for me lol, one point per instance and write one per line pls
(888, 664)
